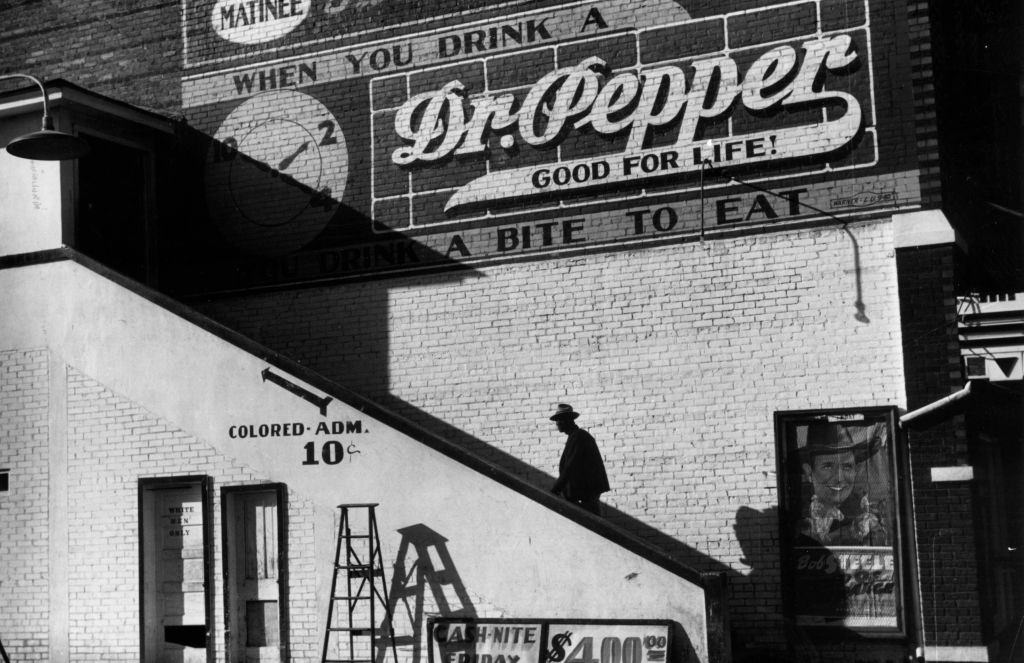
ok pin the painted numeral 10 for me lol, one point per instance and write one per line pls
(331, 452)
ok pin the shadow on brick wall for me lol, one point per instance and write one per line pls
(236, 220)
(820, 591)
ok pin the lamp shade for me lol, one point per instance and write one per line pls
(45, 144)
(48, 145)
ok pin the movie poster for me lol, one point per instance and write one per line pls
(840, 520)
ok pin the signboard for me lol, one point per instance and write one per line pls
(841, 527)
(560, 128)
(217, 31)
(548, 641)
(182, 522)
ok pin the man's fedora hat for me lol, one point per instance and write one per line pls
(564, 411)
(831, 438)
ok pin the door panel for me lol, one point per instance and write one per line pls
(174, 582)
(253, 574)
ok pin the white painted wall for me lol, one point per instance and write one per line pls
(30, 204)
(513, 553)
(30, 194)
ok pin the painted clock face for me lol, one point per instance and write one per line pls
(276, 171)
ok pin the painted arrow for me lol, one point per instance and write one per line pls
(320, 402)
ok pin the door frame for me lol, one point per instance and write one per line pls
(227, 495)
(205, 484)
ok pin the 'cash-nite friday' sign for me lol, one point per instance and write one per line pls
(548, 641)
(580, 125)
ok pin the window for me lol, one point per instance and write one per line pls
(113, 217)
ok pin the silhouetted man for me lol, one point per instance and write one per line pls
(581, 475)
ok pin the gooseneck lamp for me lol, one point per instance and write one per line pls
(46, 144)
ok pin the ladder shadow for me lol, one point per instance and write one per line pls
(424, 582)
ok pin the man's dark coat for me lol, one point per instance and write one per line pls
(581, 472)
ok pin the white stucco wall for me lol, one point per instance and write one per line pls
(30, 213)
(516, 555)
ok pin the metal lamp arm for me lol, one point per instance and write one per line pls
(47, 122)
(46, 144)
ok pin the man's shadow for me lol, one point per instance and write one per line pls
(811, 581)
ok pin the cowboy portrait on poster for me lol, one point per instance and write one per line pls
(840, 509)
(838, 506)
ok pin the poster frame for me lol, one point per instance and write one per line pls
(902, 534)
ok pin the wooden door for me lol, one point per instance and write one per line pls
(253, 576)
(175, 628)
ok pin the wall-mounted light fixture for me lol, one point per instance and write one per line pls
(45, 144)
(861, 314)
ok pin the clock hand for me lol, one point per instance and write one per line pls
(287, 161)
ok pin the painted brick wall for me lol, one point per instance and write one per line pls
(678, 357)
(107, 432)
(24, 543)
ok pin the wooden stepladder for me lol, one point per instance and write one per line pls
(352, 631)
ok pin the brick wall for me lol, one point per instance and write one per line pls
(127, 50)
(944, 517)
(677, 357)
(24, 543)
(926, 130)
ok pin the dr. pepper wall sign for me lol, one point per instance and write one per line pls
(346, 148)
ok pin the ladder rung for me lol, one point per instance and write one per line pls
(366, 575)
